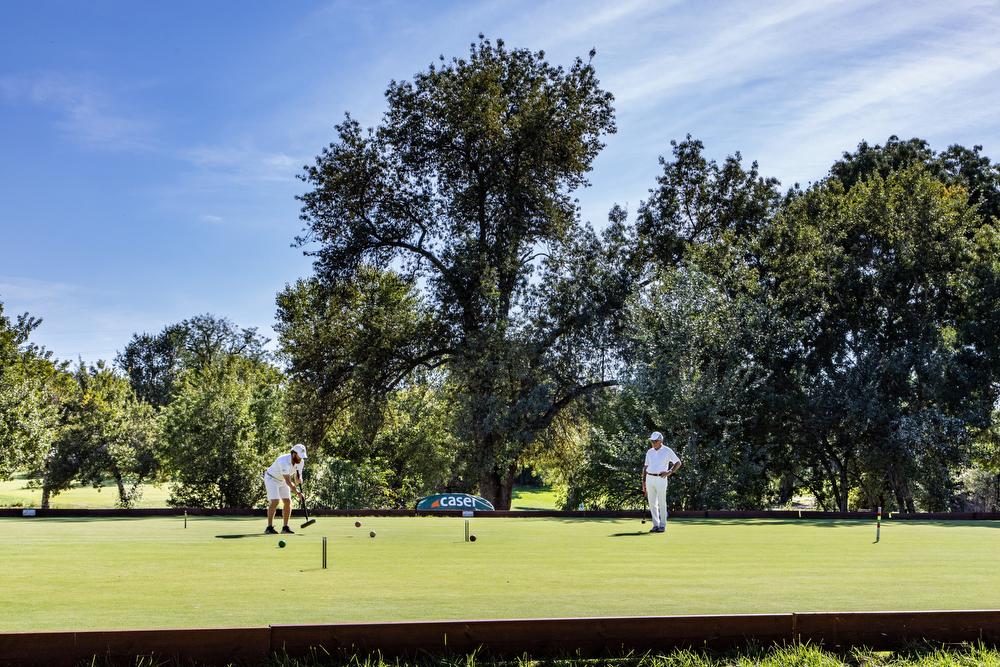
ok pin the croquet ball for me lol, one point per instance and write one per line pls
(472, 538)
(644, 522)
(371, 534)
(281, 543)
(357, 524)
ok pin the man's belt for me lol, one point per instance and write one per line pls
(656, 474)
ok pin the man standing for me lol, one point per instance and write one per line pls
(661, 463)
(281, 480)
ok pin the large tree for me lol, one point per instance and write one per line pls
(891, 283)
(222, 427)
(466, 188)
(698, 337)
(32, 389)
(108, 434)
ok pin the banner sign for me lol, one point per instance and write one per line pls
(454, 501)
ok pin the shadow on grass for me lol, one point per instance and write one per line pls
(817, 523)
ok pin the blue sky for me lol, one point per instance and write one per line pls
(148, 151)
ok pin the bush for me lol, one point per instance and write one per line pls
(349, 485)
(980, 490)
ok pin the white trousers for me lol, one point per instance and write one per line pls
(656, 494)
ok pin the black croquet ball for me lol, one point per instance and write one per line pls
(472, 538)
(357, 524)
(371, 534)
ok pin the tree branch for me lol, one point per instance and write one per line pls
(422, 360)
(550, 414)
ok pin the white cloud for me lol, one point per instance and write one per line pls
(903, 86)
(33, 291)
(85, 112)
(78, 321)
(243, 162)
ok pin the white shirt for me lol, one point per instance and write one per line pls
(658, 460)
(283, 466)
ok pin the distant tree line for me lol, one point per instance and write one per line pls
(463, 324)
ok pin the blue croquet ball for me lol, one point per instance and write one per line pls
(281, 543)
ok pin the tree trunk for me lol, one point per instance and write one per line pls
(122, 496)
(901, 488)
(898, 492)
(845, 489)
(498, 487)
(45, 495)
(786, 489)
(996, 495)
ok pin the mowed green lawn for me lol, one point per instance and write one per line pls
(15, 493)
(152, 572)
(534, 498)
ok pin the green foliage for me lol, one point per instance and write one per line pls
(108, 433)
(343, 342)
(841, 339)
(412, 454)
(221, 429)
(980, 488)
(385, 449)
(153, 362)
(957, 165)
(699, 203)
(692, 377)
(699, 381)
(32, 388)
(345, 484)
(611, 477)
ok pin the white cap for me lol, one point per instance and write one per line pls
(656, 435)
(300, 450)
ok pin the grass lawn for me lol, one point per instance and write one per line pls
(533, 498)
(152, 572)
(783, 656)
(15, 493)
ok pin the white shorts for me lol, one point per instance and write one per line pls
(276, 490)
